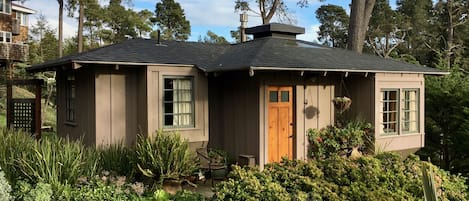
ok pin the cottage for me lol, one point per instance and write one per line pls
(258, 97)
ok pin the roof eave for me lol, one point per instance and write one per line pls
(23, 9)
(254, 68)
(307, 69)
(78, 63)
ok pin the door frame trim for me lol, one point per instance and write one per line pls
(265, 105)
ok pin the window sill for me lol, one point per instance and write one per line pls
(398, 135)
(71, 123)
(180, 129)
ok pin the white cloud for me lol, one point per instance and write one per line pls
(311, 33)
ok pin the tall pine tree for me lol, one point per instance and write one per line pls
(171, 20)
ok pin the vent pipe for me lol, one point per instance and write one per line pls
(243, 18)
(158, 39)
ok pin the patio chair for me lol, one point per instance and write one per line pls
(207, 164)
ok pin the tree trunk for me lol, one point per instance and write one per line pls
(61, 22)
(262, 10)
(450, 34)
(80, 25)
(360, 15)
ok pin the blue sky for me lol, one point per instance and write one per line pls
(215, 15)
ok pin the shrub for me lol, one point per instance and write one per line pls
(338, 140)
(185, 195)
(42, 192)
(105, 188)
(382, 177)
(58, 162)
(118, 159)
(5, 188)
(249, 184)
(165, 156)
(14, 145)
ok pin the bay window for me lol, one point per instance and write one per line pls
(22, 18)
(178, 102)
(399, 111)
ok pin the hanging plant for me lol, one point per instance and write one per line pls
(342, 104)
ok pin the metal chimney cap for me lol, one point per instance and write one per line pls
(276, 28)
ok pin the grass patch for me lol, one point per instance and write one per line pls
(3, 120)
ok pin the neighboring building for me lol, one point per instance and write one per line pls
(13, 32)
(258, 97)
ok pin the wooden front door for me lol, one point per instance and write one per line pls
(280, 112)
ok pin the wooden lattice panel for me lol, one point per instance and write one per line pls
(23, 114)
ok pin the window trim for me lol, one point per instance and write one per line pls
(400, 112)
(4, 4)
(20, 16)
(417, 103)
(4, 36)
(193, 113)
(70, 112)
(397, 112)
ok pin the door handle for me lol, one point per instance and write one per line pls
(291, 136)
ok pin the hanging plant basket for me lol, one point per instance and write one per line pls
(342, 104)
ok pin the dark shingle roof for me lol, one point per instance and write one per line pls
(271, 52)
(262, 53)
(144, 51)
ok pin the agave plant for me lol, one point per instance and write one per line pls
(429, 189)
(165, 156)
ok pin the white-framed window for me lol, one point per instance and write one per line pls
(5, 37)
(178, 102)
(22, 18)
(5, 6)
(410, 111)
(399, 111)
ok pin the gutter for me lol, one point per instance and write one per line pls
(325, 70)
(76, 64)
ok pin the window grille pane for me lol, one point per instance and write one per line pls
(8, 7)
(285, 96)
(410, 111)
(273, 96)
(390, 105)
(70, 97)
(8, 37)
(178, 102)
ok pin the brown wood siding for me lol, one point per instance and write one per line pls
(234, 113)
(142, 106)
(116, 106)
(5, 22)
(362, 92)
(155, 77)
(314, 109)
(84, 126)
(238, 114)
(23, 36)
